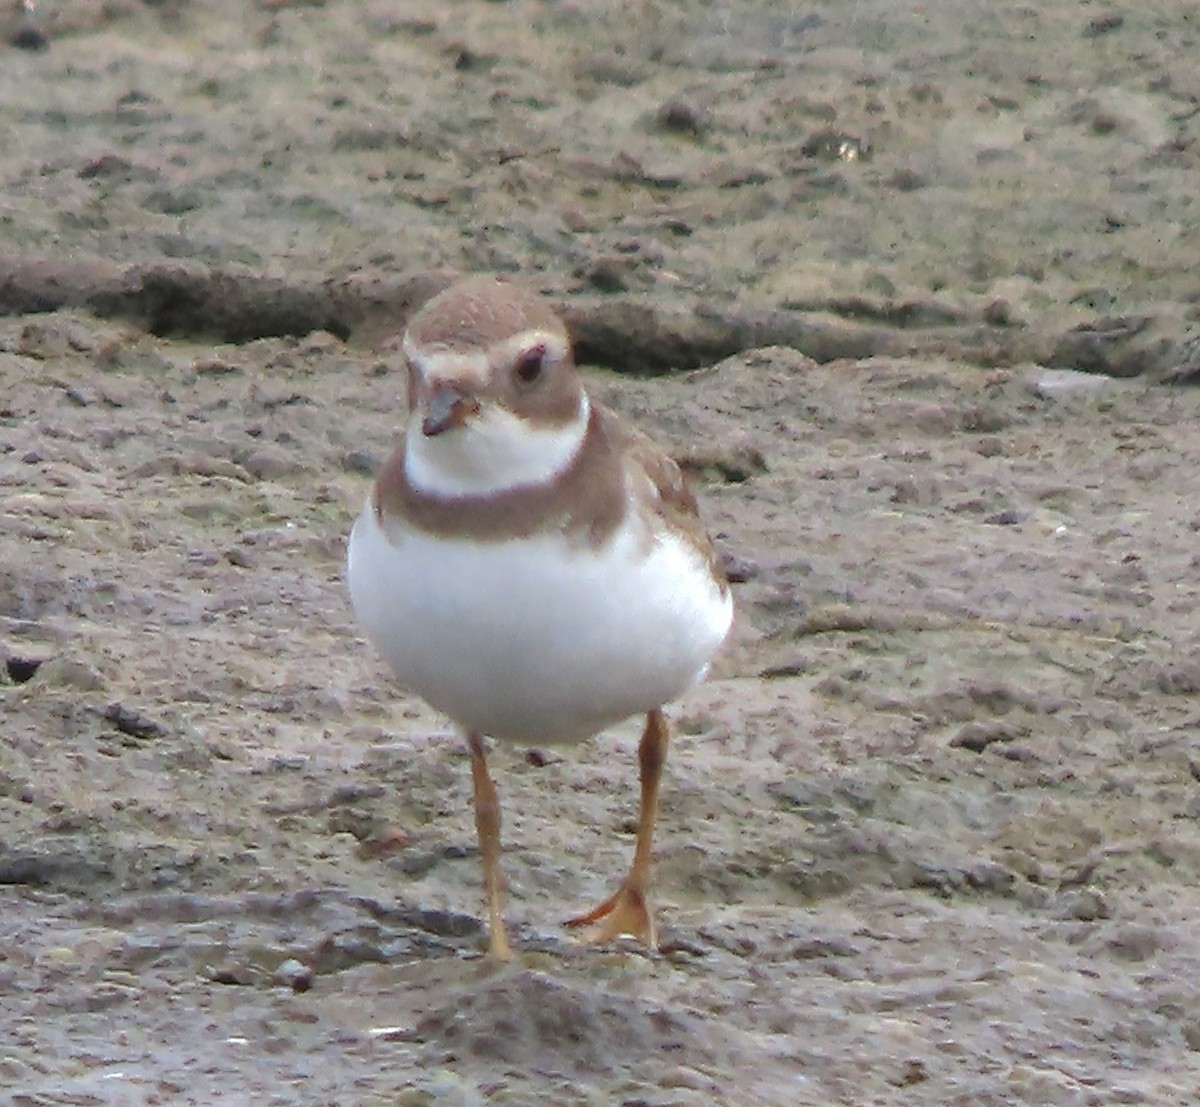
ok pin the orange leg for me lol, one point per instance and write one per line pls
(487, 826)
(627, 911)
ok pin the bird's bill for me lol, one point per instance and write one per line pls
(450, 405)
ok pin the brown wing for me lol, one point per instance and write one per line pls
(666, 491)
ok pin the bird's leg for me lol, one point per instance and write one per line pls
(487, 826)
(627, 911)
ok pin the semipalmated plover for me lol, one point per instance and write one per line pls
(531, 565)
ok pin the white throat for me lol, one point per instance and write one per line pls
(494, 452)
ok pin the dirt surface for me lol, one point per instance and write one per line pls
(929, 834)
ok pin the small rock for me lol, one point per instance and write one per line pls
(907, 180)
(43, 340)
(361, 462)
(411, 1096)
(383, 842)
(338, 952)
(1083, 905)
(412, 863)
(732, 463)
(214, 366)
(786, 669)
(29, 37)
(998, 313)
(1049, 384)
(679, 117)
(738, 570)
(68, 672)
(13, 1071)
(266, 463)
(1182, 365)
(976, 737)
(134, 723)
(683, 1076)
(295, 975)
(210, 512)
(109, 167)
(990, 446)
(1179, 680)
(173, 201)
(913, 1072)
(576, 220)
(467, 60)
(608, 274)
(319, 342)
(1018, 752)
(830, 145)
(234, 973)
(1136, 942)
(1116, 346)
(1095, 298)
(1103, 25)
(445, 924)
(936, 418)
(989, 876)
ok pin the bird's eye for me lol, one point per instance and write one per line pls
(529, 365)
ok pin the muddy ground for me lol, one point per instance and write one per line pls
(930, 834)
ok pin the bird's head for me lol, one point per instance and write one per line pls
(495, 401)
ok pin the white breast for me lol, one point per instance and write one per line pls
(535, 640)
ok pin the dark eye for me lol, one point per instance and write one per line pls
(530, 364)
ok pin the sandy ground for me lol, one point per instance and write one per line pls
(929, 834)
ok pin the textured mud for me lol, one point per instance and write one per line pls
(930, 833)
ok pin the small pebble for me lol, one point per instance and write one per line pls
(361, 462)
(295, 975)
(28, 37)
(233, 973)
(680, 117)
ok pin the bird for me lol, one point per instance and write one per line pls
(532, 565)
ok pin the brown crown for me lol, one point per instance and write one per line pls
(476, 313)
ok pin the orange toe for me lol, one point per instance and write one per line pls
(624, 912)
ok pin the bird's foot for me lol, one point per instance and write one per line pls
(624, 912)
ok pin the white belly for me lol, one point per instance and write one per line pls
(532, 640)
